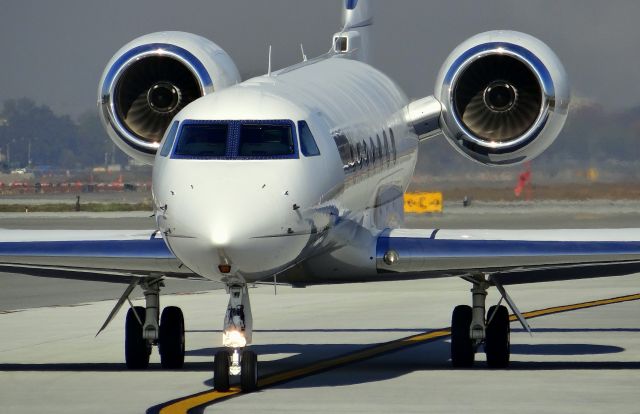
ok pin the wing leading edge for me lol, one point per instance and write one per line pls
(108, 256)
(510, 256)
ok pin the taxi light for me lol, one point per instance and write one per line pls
(224, 268)
(233, 339)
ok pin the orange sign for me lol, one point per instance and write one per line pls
(423, 203)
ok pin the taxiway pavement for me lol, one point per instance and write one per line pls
(580, 361)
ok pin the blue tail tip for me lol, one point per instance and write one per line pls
(351, 4)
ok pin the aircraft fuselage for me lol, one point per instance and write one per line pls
(262, 214)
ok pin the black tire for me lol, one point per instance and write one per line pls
(497, 343)
(171, 341)
(221, 371)
(136, 348)
(462, 348)
(249, 371)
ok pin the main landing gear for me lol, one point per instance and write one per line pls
(144, 328)
(236, 360)
(471, 327)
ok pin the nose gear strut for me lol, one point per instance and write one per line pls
(236, 335)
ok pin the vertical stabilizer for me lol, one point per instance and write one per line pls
(354, 39)
(357, 14)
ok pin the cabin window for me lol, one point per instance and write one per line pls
(203, 140)
(386, 147)
(365, 154)
(265, 140)
(373, 151)
(393, 145)
(308, 144)
(354, 157)
(171, 138)
(344, 149)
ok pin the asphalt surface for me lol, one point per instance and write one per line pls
(584, 361)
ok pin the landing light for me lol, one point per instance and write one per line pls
(233, 339)
(224, 268)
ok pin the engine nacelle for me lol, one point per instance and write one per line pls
(151, 79)
(504, 97)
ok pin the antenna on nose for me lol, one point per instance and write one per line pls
(269, 68)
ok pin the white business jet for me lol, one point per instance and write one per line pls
(299, 175)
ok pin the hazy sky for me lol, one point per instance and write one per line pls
(55, 51)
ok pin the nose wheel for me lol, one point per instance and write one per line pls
(249, 371)
(221, 371)
(244, 363)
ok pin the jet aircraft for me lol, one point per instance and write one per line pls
(298, 176)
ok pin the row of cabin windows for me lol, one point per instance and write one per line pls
(366, 153)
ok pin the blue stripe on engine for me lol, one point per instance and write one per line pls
(433, 248)
(145, 249)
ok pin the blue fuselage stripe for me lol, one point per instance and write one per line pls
(433, 248)
(144, 249)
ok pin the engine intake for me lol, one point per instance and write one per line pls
(151, 79)
(504, 97)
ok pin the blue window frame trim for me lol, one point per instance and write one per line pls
(233, 139)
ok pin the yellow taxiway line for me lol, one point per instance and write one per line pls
(185, 404)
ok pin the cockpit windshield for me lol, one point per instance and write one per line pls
(237, 140)
(204, 140)
(264, 140)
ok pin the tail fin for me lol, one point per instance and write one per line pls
(354, 39)
(357, 14)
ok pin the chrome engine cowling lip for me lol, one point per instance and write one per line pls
(463, 62)
(111, 80)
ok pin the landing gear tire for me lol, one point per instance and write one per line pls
(136, 348)
(171, 341)
(249, 371)
(221, 371)
(462, 347)
(497, 342)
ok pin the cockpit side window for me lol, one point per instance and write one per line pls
(264, 140)
(308, 144)
(171, 137)
(203, 140)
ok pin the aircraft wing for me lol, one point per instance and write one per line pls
(509, 256)
(95, 255)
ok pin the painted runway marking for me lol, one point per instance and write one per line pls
(207, 398)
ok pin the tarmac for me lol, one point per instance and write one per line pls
(320, 348)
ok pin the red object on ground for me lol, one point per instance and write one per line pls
(524, 183)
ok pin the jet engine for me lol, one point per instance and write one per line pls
(504, 97)
(149, 80)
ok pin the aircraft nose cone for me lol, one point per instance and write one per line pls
(248, 223)
(250, 247)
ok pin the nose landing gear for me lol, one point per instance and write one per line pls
(236, 335)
